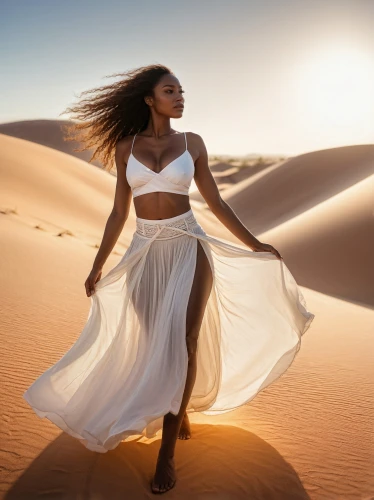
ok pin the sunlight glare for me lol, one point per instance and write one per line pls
(335, 86)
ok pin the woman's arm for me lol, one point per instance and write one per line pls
(116, 219)
(120, 211)
(210, 192)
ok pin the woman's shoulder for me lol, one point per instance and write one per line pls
(195, 137)
(125, 143)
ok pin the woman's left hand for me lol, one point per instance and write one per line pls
(265, 247)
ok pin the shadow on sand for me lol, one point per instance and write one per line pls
(218, 462)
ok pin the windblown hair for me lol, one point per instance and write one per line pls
(113, 112)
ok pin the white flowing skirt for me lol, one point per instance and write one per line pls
(128, 367)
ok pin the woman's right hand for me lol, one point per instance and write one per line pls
(93, 278)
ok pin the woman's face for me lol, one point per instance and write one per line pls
(168, 97)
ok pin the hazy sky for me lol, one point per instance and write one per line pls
(261, 76)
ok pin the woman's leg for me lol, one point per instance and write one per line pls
(201, 287)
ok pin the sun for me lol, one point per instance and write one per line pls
(335, 86)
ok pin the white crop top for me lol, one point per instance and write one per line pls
(176, 177)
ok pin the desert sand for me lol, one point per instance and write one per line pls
(47, 133)
(308, 435)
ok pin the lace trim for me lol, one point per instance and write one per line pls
(148, 230)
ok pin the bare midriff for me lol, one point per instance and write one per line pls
(160, 205)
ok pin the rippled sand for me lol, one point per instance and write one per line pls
(309, 435)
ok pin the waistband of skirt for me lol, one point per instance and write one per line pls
(185, 215)
(164, 229)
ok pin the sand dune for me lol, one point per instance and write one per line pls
(47, 133)
(331, 246)
(55, 191)
(269, 449)
(227, 175)
(285, 190)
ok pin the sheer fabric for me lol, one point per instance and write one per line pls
(129, 365)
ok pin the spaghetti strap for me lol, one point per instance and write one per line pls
(185, 138)
(132, 145)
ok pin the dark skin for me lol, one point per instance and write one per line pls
(156, 147)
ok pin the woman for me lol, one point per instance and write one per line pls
(184, 322)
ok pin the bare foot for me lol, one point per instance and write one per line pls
(164, 478)
(185, 429)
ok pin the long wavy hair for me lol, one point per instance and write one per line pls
(112, 112)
